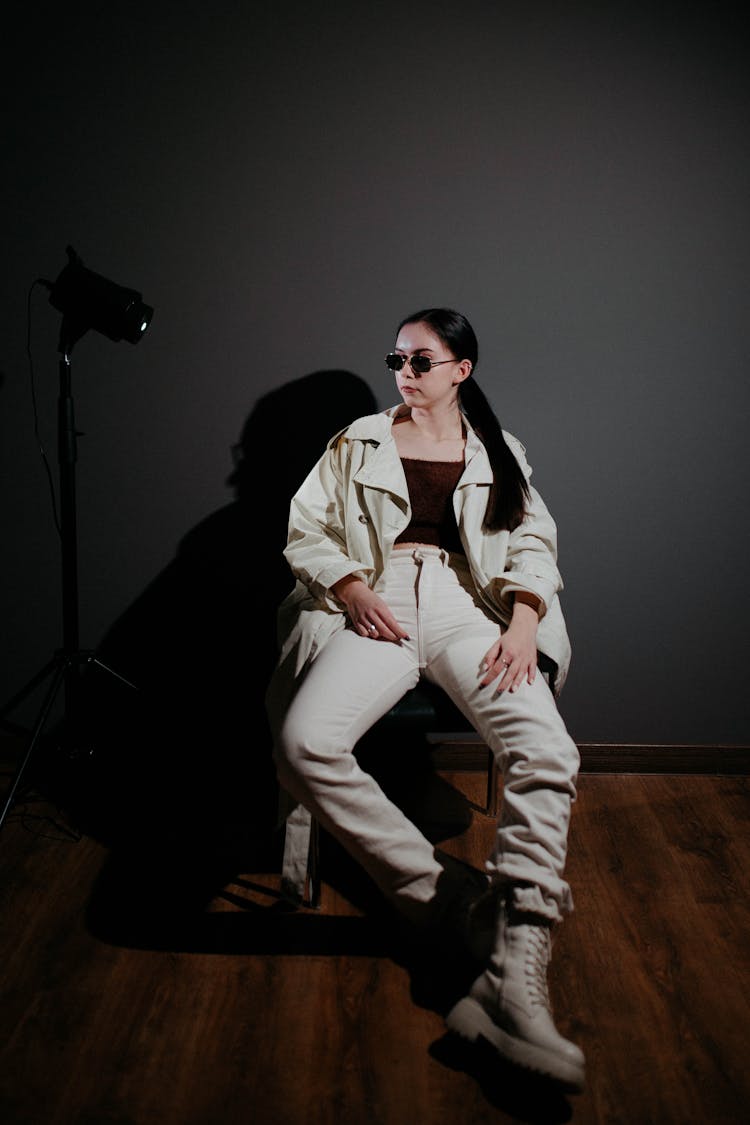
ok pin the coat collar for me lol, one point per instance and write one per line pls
(383, 467)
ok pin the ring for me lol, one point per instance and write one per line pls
(372, 629)
(506, 663)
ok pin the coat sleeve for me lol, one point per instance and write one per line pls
(317, 548)
(531, 564)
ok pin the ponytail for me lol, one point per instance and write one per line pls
(506, 503)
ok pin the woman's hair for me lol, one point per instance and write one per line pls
(510, 489)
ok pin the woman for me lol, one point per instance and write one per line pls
(421, 549)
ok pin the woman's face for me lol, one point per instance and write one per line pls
(440, 384)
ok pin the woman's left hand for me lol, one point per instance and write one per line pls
(513, 656)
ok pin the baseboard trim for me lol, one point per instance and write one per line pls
(467, 751)
(470, 753)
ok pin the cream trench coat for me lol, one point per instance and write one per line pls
(345, 518)
(348, 512)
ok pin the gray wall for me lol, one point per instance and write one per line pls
(284, 182)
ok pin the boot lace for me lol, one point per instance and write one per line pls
(537, 958)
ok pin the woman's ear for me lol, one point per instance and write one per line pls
(464, 371)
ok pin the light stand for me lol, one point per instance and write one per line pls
(87, 300)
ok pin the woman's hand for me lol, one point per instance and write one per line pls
(367, 612)
(513, 656)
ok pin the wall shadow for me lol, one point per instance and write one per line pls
(184, 760)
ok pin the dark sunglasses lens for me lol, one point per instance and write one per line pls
(420, 363)
(394, 362)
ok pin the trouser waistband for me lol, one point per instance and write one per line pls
(427, 551)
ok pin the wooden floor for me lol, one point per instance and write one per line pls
(146, 985)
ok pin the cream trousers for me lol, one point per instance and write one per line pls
(354, 681)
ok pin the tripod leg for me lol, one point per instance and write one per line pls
(27, 690)
(100, 664)
(62, 668)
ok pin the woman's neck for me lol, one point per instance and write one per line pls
(437, 426)
(429, 437)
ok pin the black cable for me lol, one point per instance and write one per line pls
(50, 479)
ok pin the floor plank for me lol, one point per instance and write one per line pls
(155, 984)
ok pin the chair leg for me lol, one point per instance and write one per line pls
(491, 806)
(313, 866)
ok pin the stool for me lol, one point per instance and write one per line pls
(424, 710)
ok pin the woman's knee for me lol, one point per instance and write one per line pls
(547, 763)
(300, 748)
(290, 750)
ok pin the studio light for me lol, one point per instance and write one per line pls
(86, 300)
(89, 300)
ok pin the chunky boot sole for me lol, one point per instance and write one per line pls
(469, 1020)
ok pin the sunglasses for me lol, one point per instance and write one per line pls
(420, 364)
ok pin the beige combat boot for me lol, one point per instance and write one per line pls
(508, 1004)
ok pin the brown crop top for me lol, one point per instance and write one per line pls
(431, 486)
